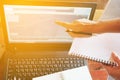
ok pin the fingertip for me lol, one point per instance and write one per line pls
(58, 22)
(64, 24)
(114, 55)
(116, 58)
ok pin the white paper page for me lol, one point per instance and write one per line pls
(71, 74)
(81, 73)
(99, 47)
(55, 76)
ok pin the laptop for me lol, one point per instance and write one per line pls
(35, 45)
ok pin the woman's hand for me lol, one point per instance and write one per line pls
(114, 71)
(82, 25)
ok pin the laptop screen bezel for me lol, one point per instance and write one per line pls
(41, 3)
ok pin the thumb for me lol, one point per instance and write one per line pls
(116, 58)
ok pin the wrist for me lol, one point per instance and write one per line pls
(99, 27)
(104, 27)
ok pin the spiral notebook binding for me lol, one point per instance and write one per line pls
(94, 59)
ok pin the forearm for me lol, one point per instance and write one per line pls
(108, 26)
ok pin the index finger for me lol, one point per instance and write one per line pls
(64, 24)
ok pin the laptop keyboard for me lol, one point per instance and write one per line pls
(28, 68)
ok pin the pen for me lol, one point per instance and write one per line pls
(85, 33)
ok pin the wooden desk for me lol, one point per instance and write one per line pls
(1, 63)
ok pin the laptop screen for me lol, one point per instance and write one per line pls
(27, 23)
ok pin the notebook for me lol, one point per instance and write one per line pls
(97, 48)
(71, 74)
(31, 35)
